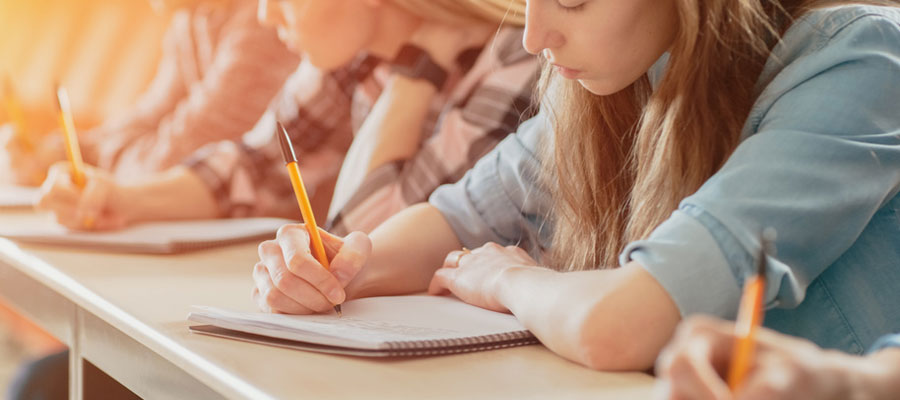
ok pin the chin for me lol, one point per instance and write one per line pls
(604, 87)
(327, 62)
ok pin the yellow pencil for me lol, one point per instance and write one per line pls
(749, 318)
(290, 161)
(73, 150)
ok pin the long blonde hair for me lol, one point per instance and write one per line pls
(622, 163)
(511, 12)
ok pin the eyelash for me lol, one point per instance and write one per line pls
(572, 8)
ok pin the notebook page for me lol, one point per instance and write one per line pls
(371, 322)
(17, 196)
(158, 236)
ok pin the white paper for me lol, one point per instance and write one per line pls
(17, 196)
(155, 237)
(370, 323)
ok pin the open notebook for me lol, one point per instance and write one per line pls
(152, 238)
(17, 196)
(374, 327)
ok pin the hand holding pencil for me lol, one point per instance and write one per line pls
(78, 195)
(305, 270)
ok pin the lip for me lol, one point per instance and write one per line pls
(566, 72)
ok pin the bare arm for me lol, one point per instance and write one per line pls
(104, 204)
(174, 194)
(392, 131)
(615, 319)
(407, 249)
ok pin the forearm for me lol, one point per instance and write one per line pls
(615, 319)
(407, 249)
(400, 116)
(391, 132)
(174, 194)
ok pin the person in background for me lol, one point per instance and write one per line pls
(695, 362)
(219, 70)
(412, 129)
(672, 133)
(354, 85)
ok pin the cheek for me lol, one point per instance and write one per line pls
(622, 53)
(330, 46)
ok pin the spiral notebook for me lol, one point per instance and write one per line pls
(395, 326)
(150, 238)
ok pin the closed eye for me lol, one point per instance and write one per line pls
(570, 6)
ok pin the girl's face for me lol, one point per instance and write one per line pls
(605, 44)
(330, 33)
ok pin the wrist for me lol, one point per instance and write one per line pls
(509, 280)
(126, 202)
(879, 375)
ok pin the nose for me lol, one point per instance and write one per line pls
(540, 33)
(269, 14)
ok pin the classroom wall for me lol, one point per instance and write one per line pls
(104, 51)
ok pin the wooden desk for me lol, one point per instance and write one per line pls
(126, 315)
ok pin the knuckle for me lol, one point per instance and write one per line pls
(271, 297)
(282, 230)
(281, 280)
(296, 264)
(267, 247)
(289, 229)
(259, 267)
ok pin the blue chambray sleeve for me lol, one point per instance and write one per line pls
(500, 199)
(887, 341)
(823, 158)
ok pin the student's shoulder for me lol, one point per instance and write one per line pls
(830, 28)
(826, 37)
(846, 55)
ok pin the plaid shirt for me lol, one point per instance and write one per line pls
(477, 108)
(218, 71)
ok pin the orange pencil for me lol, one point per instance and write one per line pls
(290, 161)
(749, 318)
(73, 150)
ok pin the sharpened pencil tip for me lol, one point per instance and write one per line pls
(337, 309)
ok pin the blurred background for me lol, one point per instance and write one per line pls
(104, 52)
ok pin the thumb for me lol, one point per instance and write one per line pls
(440, 282)
(351, 257)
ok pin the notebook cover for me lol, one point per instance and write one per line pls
(411, 351)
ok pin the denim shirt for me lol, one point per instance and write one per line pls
(818, 161)
(886, 341)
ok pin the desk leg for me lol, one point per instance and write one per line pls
(76, 371)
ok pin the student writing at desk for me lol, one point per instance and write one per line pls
(219, 70)
(672, 134)
(344, 87)
(413, 129)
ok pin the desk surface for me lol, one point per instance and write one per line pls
(149, 297)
